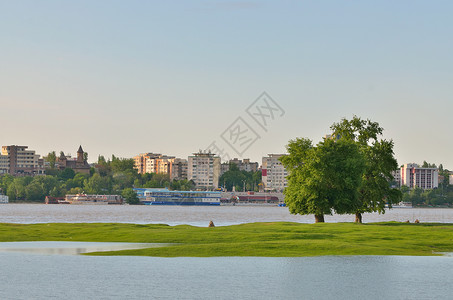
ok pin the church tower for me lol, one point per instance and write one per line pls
(80, 155)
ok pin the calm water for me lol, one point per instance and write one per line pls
(37, 276)
(363, 277)
(197, 216)
(71, 248)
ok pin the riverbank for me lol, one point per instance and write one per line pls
(282, 239)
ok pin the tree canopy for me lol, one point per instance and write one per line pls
(347, 173)
(240, 179)
(375, 191)
(324, 178)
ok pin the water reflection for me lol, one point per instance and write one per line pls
(71, 248)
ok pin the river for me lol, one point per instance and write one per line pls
(335, 277)
(195, 215)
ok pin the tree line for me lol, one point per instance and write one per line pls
(111, 176)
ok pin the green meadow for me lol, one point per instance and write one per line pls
(280, 239)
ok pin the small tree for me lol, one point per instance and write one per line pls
(51, 158)
(130, 196)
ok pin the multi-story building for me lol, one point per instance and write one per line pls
(161, 164)
(243, 165)
(142, 160)
(21, 161)
(396, 178)
(178, 169)
(204, 170)
(412, 175)
(4, 164)
(274, 173)
(451, 179)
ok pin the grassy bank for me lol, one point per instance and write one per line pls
(256, 239)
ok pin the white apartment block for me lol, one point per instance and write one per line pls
(412, 175)
(204, 170)
(451, 179)
(274, 173)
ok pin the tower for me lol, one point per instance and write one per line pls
(80, 155)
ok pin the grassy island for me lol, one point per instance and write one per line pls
(279, 239)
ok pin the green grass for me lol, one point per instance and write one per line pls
(255, 239)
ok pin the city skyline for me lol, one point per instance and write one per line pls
(127, 78)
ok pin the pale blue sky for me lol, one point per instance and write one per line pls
(126, 77)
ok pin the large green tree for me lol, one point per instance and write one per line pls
(375, 191)
(323, 178)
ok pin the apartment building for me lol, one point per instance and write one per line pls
(161, 164)
(4, 164)
(20, 161)
(141, 161)
(274, 173)
(412, 175)
(178, 169)
(243, 165)
(204, 170)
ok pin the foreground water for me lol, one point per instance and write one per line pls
(37, 276)
(336, 277)
(195, 215)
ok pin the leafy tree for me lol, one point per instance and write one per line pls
(323, 178)
(375, 190)
(236, 178)
(97, 185)
(130, 196)
(51, 158)
(47, 183)
(75, 190)
(182, 185)
(5, 181)
(66, 174)
(158, 181)
(34, 192)
(428, 165)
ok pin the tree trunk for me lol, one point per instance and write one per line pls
(358, 217)
(319, 218)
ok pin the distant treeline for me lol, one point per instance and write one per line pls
(109, 177)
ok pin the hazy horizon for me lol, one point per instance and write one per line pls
(131, 77)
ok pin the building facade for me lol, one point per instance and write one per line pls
(412, 175)
(79, 165)
(178, 169)
(19, 161)
(161, 164)
(243, 165)
(274, 173)
(141, 160)
(204, 170)
(4, 164)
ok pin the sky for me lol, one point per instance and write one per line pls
(173, 77)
